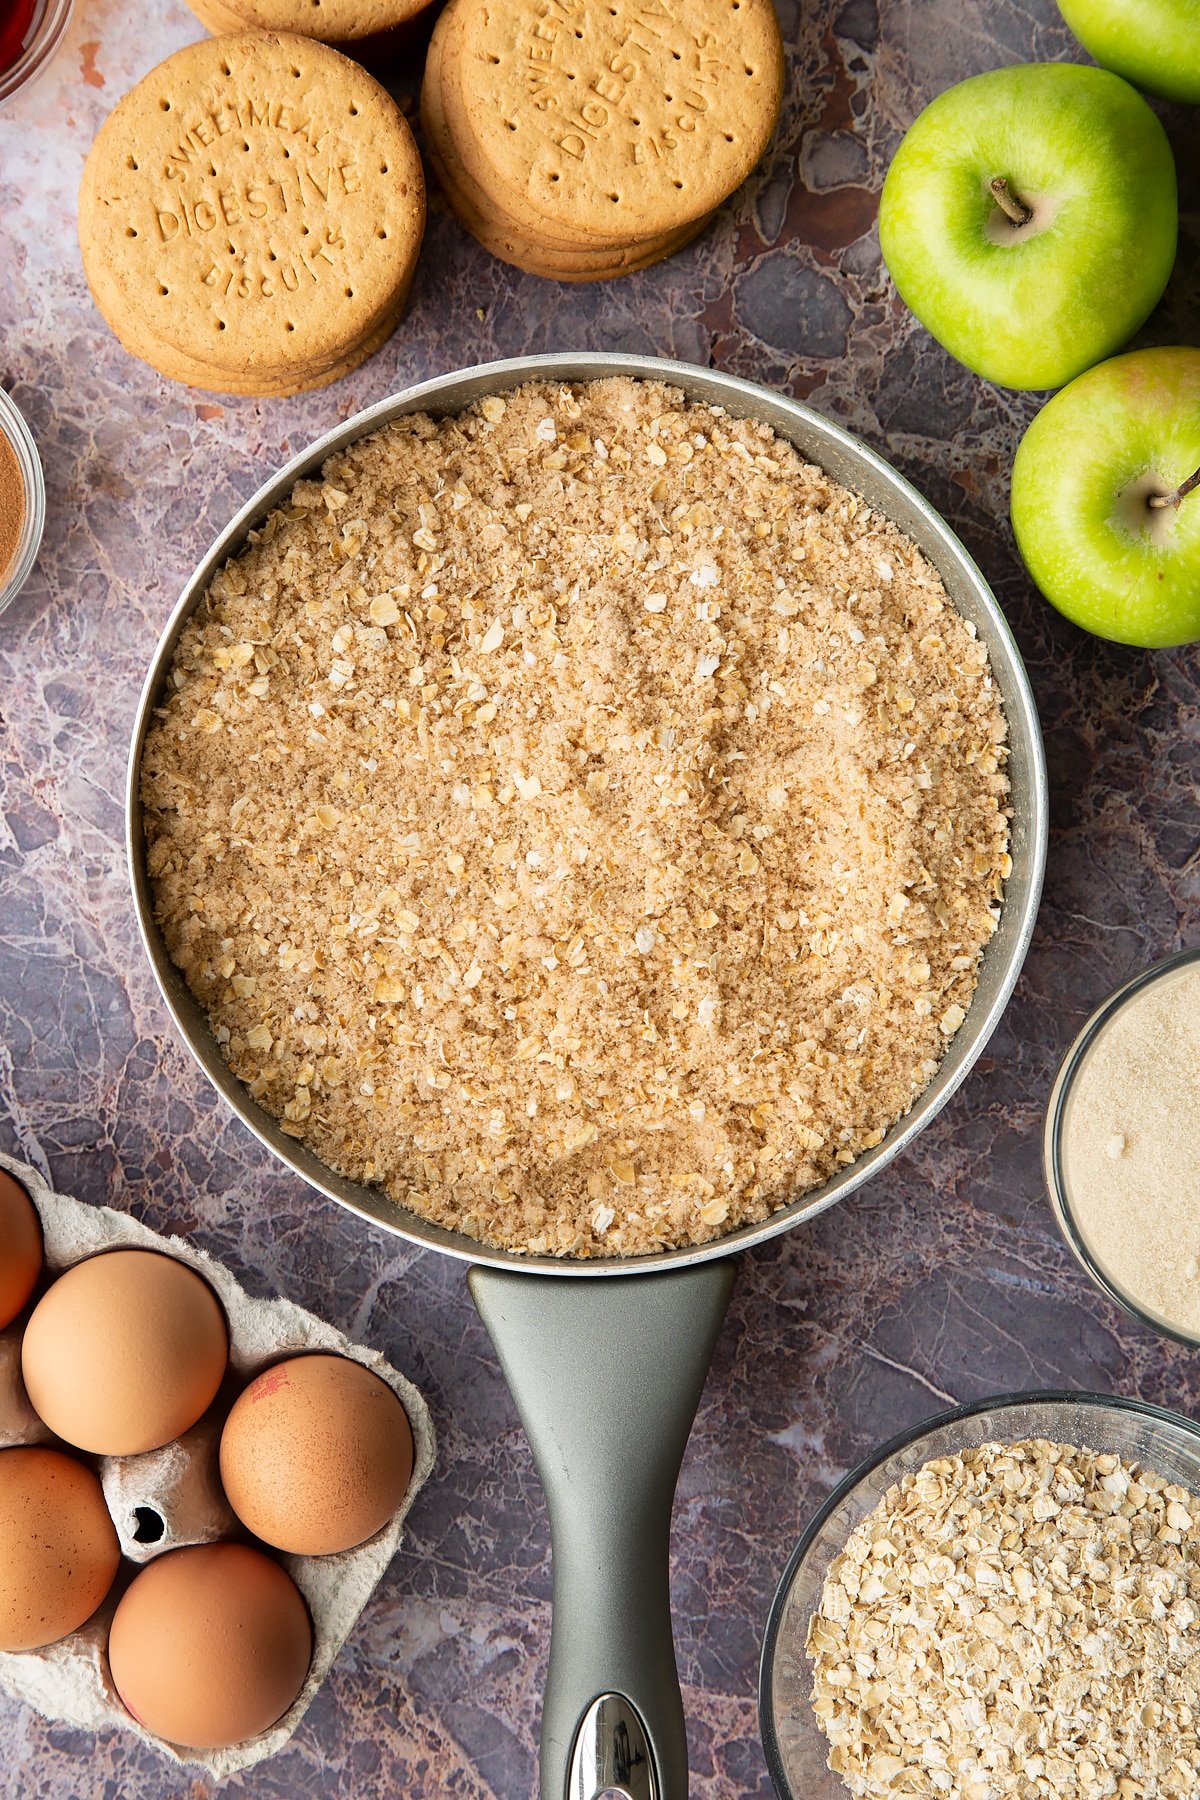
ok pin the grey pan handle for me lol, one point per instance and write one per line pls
(607, 1375)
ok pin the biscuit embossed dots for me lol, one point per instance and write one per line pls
(641, 112)
(251, 212)
(580, 817)
(438, 93)
(579, 128)
(549, 253)
(293, 381)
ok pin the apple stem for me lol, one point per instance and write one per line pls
(1007, 201)
(1180, 494)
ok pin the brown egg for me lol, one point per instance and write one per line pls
(210, 1645)
(124, 1352)
(58, 1547)
(316, 1455)
(20, 1247)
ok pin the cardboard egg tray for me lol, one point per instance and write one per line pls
(178, 1488)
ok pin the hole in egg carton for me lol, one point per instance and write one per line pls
(178, 1487)
(149, 1526)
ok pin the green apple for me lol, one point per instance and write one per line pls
(1029, 219)
(1153, 43)
(1106, 498)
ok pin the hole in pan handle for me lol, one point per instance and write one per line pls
(606, 1375)
(612, 1755)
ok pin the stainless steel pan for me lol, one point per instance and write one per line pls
(607, 1372)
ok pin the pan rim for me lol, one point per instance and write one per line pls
(452, 392)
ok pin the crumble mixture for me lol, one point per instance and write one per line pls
(1020, 1620)
(580, 817)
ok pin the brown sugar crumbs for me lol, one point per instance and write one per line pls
(581, 817)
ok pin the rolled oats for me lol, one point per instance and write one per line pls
(1017, 1620)
(561, 748)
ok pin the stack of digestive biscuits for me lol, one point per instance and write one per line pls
(369, 30)
(583, 142)
(250, 215)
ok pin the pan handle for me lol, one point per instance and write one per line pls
(607, 1375)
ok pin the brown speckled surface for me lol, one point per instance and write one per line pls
(943, 1281)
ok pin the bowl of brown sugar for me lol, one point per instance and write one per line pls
(22, 501)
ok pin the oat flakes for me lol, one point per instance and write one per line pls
(580, 817)
(1020, 1620)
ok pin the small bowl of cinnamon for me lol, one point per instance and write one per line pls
(22, 501)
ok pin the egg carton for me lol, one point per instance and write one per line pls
(170, 1497)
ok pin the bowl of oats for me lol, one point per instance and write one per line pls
(1004, 1601)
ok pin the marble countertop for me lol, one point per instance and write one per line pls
(942, 1281)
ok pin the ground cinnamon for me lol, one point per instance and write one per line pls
(12, 506)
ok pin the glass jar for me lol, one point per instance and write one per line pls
(40, 39)
(19, 436)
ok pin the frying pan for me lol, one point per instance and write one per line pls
(607, 1371)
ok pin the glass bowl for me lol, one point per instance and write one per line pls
(1054, 1160)
(796, 1749)
(44, 35)
(13, 579)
